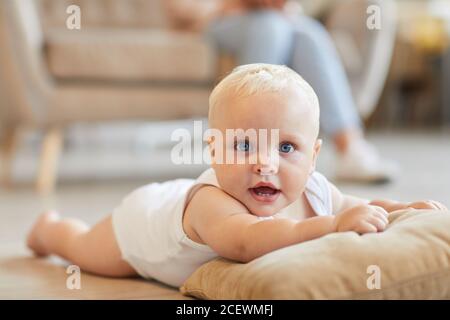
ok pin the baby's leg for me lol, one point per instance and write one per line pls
(92, 249)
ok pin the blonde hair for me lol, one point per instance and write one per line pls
(249, 79)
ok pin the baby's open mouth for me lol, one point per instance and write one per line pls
(264, 193)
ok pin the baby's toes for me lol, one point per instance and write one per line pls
(34, 238)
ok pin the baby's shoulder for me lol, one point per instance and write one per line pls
(209, 198)
(207, 205)
(211, 203)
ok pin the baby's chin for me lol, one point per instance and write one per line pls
(264, 210)
(261, 209)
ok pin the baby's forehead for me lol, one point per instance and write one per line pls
(292, 114)
(293, 103)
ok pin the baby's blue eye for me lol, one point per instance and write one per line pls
(286, 147)
(243, 146)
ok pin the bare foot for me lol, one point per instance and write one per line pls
(34, 238)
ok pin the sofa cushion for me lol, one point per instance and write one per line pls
(124, 54)
(409, 260)
(105, 13)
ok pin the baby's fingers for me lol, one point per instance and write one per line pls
(438, 205)
(365, 227)
(381, 210)
(381, 213)
(422, 205)
(433, 204)
(378, 222)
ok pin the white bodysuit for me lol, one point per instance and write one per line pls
(149, 230)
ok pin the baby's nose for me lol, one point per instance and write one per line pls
(266, 171)
(266, 166)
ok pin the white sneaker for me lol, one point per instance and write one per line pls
(362, 163)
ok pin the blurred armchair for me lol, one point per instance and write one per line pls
(123, 64)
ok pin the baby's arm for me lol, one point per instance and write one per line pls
(227, 226)
(229, 229)
(391, 205)
(342, 202)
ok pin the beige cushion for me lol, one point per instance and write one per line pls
(413, 255)
(124, 54)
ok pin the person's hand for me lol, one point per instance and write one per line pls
(361, 219)
(427, 204)
(259, 4)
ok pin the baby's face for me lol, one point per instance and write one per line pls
(283, 167)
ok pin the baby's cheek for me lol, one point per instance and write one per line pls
(233, 178)
(289, 188)
(295, 182)
(296, 164)
(295, 158)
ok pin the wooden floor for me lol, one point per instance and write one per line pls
(424, 157)
(25, 277)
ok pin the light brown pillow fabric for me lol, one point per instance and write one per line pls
(412, 254)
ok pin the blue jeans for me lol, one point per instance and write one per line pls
(266, 36)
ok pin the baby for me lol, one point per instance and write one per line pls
(236, 210)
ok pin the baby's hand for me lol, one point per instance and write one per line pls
(427, 204)
(361, 219)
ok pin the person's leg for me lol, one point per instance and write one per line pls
(93, 249)
(261, 36)
(316, 59)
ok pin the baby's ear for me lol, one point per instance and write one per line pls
(318, 146)
(316, 151)
(210, 142)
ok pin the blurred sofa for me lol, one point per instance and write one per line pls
(125, 63)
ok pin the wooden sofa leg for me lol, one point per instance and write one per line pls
(48, 162)
(8, 147)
